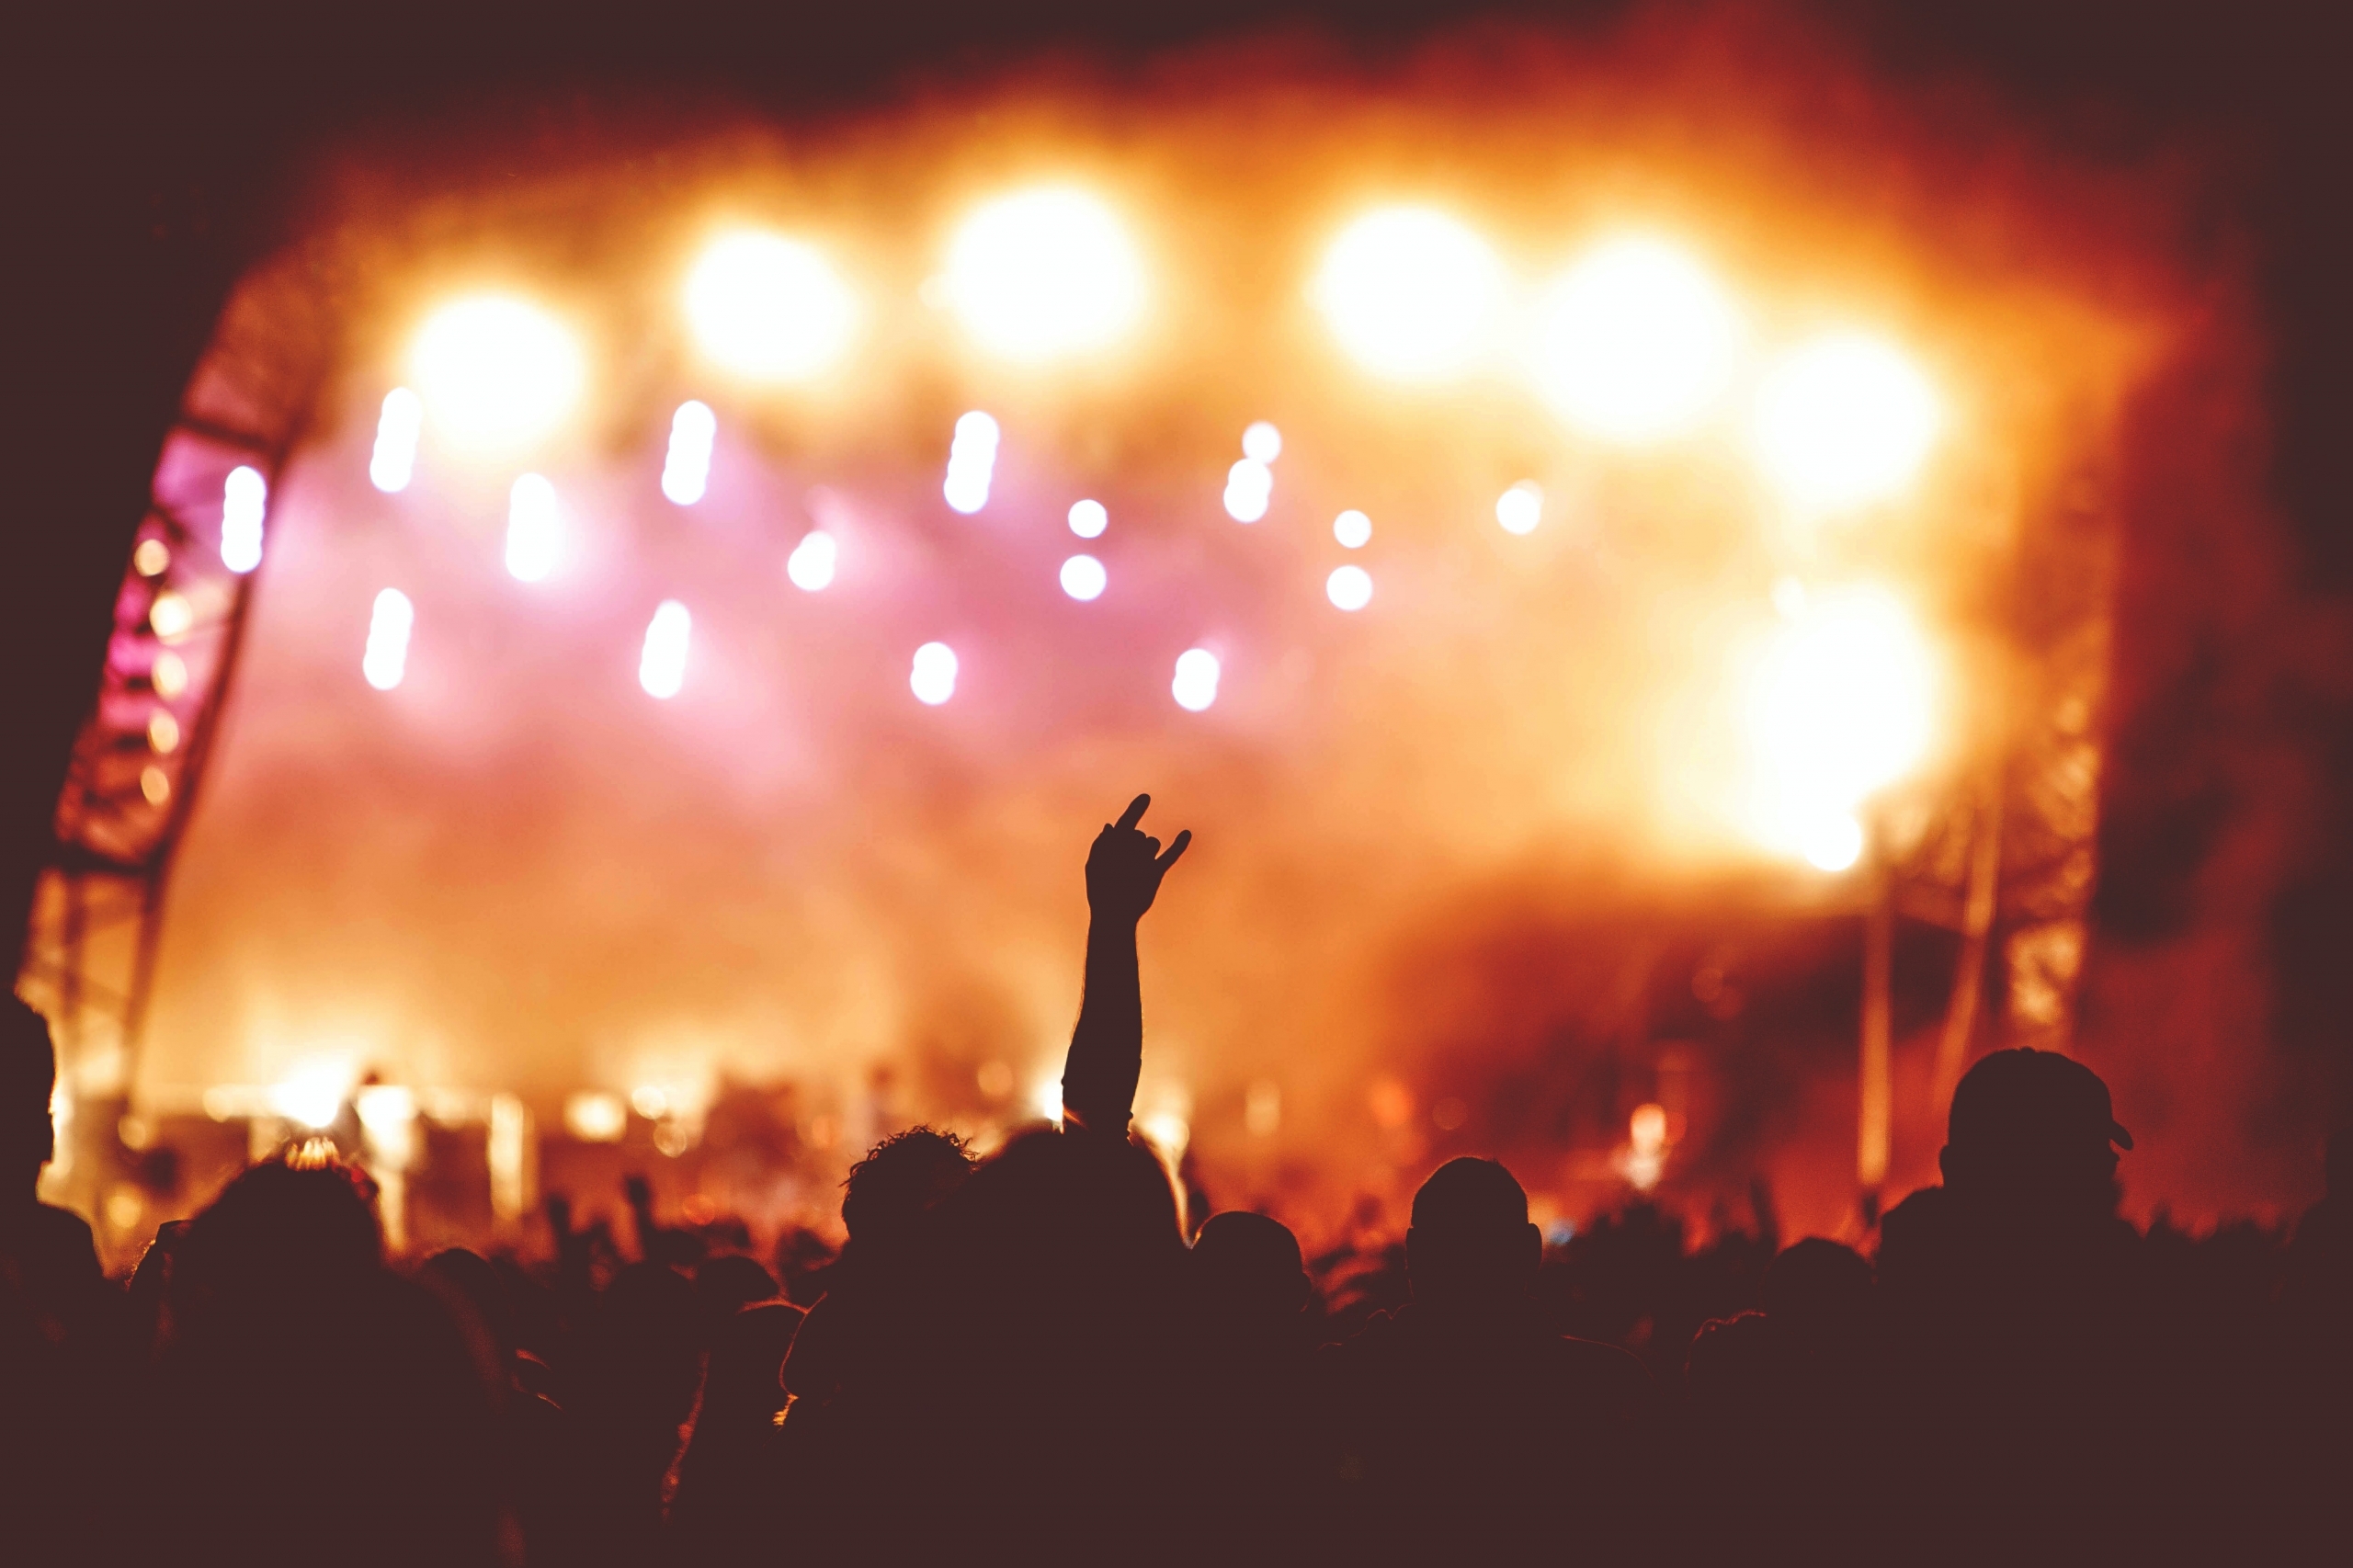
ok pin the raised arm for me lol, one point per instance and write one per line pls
(1123, 872)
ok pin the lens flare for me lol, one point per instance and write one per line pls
(1635, 342)
(1412, 294)
(496, 373)
(1843, 420)
(933, 677)
(1045, 274)
(1194, 687)
(768, 308)
(1840, 703)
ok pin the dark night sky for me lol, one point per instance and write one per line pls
(150, 156)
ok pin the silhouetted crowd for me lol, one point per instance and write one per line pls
(1025, 1357)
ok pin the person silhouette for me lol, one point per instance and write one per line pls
(1467, 1429)
(1247, 1462)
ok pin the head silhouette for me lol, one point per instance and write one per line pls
(1470, 1245)
(1248, 1278)
(902, 1178)
(2032, 1130)
(28, 1075)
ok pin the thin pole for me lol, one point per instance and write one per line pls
(1874, 1096)
(1977, 923)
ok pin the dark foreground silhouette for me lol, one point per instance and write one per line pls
(1025, 1357)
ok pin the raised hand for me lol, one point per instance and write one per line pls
(1124, 868)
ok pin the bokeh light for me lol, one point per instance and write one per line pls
(1411, 293)
(167, 675)
(768, 308)
(392, 463)
(496, 373)
(971, 462)
(151, 558)
(1089, 518)
(385, 660)
(1521, 507)
(1249, 490)
(686, 467)
(1082, 577)
(1043, 274)
(811, 564)
(170, 616)
(933, 677)
(1348, 587)
(1195, 686)
(1841, 702)
(245, 497)
(1845, 419)
(1262, 442)
(662, 667)
(1352, 528)
(534, 529)
(1635, 341)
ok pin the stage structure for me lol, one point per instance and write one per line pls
(1544, 501)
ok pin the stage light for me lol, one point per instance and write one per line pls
(768, 308)
(1411, 293)
(1841, 702)
(1262, 442)
(243, 497)
(534, 532)
(311, 1095)
(811, 564)
(495, 373)
(686, 468)
(971, 462)
(1088, 518)
(1832, 843)
(1249, 490)
(1043, 274)
(1634, 341)
(1843, 420)
(1646, 1146)
(1348, 587)
(154, 785)
(1352, 528)
(1168, 1132)
(1046, 1099)
(392, 463)
(662, 667)
(594, 1116)
(933, 677)
(1520, 508)
(1084, 577)
(151, 558)
(1194, 687)
(167, 675)
(170, 616)
(162, 734)
(386, 658)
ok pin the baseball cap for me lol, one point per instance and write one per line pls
(2033, 1101)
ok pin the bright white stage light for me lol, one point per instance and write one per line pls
(496, 373)
(1411, 293)
(662, 667)
(1521, 507)
(1262, 442)
(971, 462)
(1352, 528)
(1084, 577)
(933, 678)
(1635, 342)
(393, 461)
(1843, 420)
(313, 1095)
(1043, 274)
(1194, 687)
(1348, 587)
(1841, 703)
(685, 468)
(386, 658)
(1832, 843)
(768, 308)
(1088, 518)
(244, 498)
(534, 530)
(1249, 490)
(596, 1115)
(811, 564)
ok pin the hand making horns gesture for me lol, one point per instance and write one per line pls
(1124, 868)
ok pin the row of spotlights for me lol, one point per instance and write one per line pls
(1635, 342)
